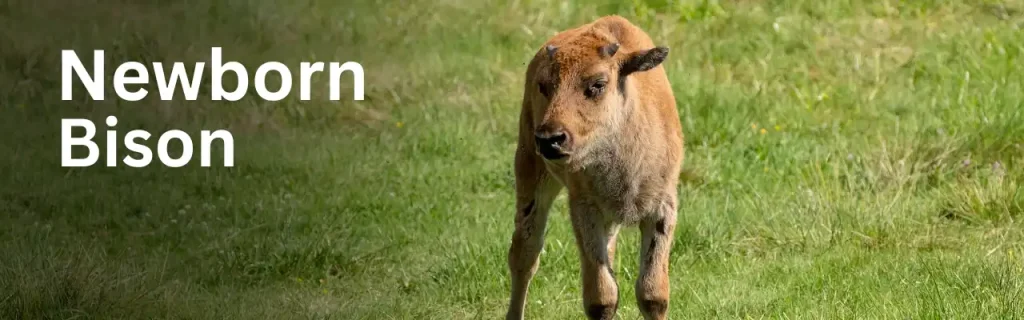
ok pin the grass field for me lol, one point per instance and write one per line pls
(845, 159)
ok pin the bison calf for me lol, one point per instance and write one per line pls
(599, 119)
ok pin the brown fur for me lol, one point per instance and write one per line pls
(619, 153)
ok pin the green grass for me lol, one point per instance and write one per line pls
(845, 159)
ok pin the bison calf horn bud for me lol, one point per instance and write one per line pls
(609, 50)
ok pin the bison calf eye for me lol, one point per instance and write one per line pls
(595, 89)
(544, 89)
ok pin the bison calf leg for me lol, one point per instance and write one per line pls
(532, 206)
(652, 285)
(596, 242)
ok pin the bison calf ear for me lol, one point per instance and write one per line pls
(643, 61)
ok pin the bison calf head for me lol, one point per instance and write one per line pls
(581, 93)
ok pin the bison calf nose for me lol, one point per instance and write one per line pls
(552, 144)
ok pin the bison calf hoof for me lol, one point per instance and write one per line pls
(655, 309)
(601, 311)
